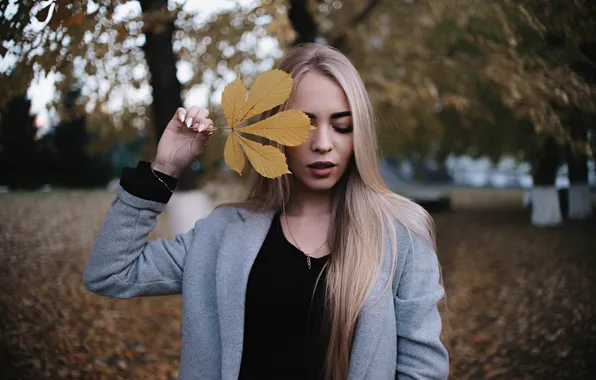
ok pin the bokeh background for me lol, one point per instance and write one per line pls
(486, 111)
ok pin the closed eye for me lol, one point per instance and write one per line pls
(342, 129)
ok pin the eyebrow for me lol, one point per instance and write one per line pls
(336, 115)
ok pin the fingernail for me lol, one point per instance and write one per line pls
(201, 127)
(189, 122)
(182, 116)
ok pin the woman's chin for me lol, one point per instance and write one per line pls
(320, 184)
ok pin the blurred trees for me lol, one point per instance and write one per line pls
(479, 78)
(123, 53)
(67, 158)
(19, 153)
(59, 158)
(574, 25)
(484, 78)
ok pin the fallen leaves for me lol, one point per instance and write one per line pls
(520, 299)
(51, 327)
(290, 128)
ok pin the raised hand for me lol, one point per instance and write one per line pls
(183, 141)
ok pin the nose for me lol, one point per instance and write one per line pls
(321, 139)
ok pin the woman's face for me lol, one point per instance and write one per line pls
(320, 162)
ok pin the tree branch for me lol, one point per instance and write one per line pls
(365, 12)
(339, 41)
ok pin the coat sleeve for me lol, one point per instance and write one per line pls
(124, 264)
(420, 353)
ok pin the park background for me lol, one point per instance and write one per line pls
(486, 111)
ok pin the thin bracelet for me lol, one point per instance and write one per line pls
(161, 180)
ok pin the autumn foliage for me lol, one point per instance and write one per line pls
(444, 76)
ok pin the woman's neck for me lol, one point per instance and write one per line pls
(305, 202)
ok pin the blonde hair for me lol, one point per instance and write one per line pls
(364, 209)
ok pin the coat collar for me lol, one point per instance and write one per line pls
(246, 214)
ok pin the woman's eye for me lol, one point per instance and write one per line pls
(343, 129)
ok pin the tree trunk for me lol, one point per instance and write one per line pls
(188, 203)
(580, 202)
(546, 208)
(302, 22)
(164, 82)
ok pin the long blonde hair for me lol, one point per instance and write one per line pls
(364, 209)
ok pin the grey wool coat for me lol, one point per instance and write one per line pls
(396, 336)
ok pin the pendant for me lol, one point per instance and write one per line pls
(308, 261)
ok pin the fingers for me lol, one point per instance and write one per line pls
(179, 116)
(195, 116)
(201, 139)
(205, 131)
(195, 120)
(204, 125)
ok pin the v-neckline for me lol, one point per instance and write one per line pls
(297, 250)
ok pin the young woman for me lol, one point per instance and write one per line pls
(322, 274)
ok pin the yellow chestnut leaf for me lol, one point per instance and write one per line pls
(233, 154)
(289, 128)
(267, 160)
(233, 99)
(270, 89)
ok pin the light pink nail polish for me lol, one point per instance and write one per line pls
(201, 127)
(181, 117)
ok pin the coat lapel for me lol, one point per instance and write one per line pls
(242, 241)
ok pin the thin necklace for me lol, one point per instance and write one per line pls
(295, 242)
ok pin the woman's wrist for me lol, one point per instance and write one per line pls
(145, 183)
(165, 169)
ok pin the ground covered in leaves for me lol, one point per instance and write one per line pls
(521, 301)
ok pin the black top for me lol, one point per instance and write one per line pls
(284, 337)
(285, 328)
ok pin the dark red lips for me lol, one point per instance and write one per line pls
(321, 165)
